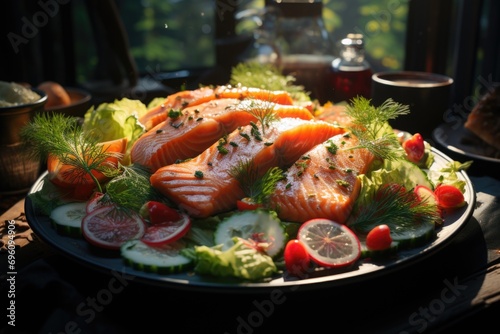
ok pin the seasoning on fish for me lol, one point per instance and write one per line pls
(334, 113)
(189, 98)
(176, 101)
(203, 186)
(323, 183)
(189, 132)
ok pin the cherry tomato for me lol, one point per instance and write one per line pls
(247, 204)
(414, 148)
(296, 258)
(448, 196)
(379, 238)
(157, 212)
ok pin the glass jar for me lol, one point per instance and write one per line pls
(261, 25)
(350, 72)
(304, 45)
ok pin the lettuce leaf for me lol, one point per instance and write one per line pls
(116, 120)
(401, 172)
(156, 102)
(449, 174)
(240, 261)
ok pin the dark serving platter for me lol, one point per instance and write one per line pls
(78, 249)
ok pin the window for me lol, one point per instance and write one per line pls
(382, 22)
(167, 36)
(162, 35)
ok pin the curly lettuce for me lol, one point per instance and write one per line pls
(116, 120)
(240, 261)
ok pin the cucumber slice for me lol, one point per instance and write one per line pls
(161, 260)
(409, 173)
(379, 254)
(258, 225)
(416, 236)
(403, 239)
(67, 218)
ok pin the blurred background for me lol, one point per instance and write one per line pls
(148, 48)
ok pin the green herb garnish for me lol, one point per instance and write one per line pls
(263, 111)
(398, 209)
(130, 187)
(266, 76)
(62, 136)
(258, 188)
(371, 127)
(220, 146)
(174, 113)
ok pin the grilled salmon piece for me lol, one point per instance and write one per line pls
(189, 133)
(323, 183)
(189, 98)
(176, 101)
(334, 114)
(276, 96)
(204, 185)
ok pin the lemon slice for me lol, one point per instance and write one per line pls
(329, 243)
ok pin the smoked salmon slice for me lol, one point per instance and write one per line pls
(204, 186)
(189, 132)
(323, 183)
(189, 98)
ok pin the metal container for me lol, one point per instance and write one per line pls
(18, 171)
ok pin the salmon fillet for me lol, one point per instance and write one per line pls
(189, 98)
(334, 114)
(200, 126)
(204, 186)
(322, 184)
(176, 101)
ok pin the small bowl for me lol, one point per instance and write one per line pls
(80, 103)
(12, 118)
(18, 170)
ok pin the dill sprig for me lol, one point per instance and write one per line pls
(62, 137)
(384, 147)
(263, 111)
(364, 113)
(399, 210)
(258, 188)
(130, 186)
(371, 127)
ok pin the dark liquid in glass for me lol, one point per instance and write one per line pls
(346, 85)
(310, 71)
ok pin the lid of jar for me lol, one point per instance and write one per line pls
(297, 8)
(354, 40)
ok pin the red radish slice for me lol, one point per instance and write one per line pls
(109, 227)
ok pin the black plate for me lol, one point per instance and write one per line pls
(80, 250)
(462, 145)
(459, 140)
